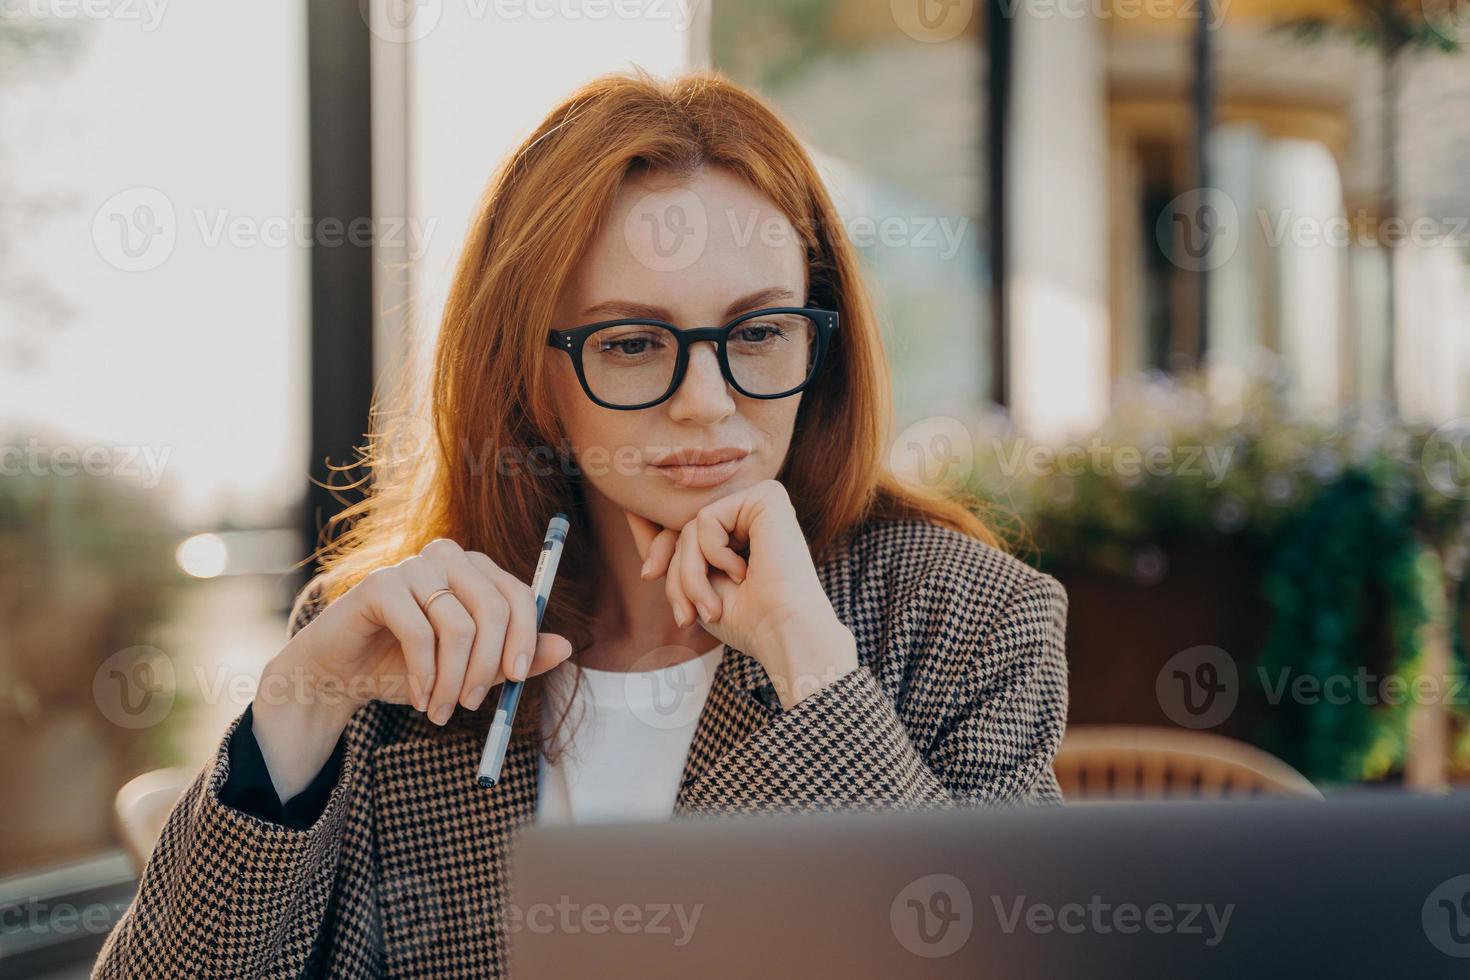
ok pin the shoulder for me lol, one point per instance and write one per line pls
(947, 623)
(938, 614)
(907, 565)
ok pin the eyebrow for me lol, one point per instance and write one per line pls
(619, 308)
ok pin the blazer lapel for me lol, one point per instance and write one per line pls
(741, 698)
(738, 704)
(444, 850)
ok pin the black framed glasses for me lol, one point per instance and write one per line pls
(635, 363)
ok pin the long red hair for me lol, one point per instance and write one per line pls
(488, 398)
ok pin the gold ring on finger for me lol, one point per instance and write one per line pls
(434, 595)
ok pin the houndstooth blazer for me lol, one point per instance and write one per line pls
(960, 698)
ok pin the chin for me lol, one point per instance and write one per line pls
(673, 507)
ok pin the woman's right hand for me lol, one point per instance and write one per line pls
(376, 642)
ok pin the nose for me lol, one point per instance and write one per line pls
(702, 397)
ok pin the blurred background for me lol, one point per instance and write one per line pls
(1179, 289)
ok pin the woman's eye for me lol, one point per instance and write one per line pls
(631, 346)
(757, 334)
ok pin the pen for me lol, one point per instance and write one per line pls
(498, 739)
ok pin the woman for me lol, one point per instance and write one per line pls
(834, 639)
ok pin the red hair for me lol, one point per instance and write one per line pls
(489, 397)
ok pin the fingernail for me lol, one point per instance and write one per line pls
(523, 666)
(703, 612)
(441, 714)
(477, 696)
(679, 617)
(643, 572)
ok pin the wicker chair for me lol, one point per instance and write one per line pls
(1125, 763)
(142, 807)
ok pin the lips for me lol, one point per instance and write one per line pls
(700, 457)
(700, 468)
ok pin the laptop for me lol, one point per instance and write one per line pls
(1375, 886)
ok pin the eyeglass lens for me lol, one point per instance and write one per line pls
(634, 363)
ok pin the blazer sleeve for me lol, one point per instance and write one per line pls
(983, 722)
(226, 894)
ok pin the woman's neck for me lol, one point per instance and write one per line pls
(634, 628)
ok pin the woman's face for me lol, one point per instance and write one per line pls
(694, 252)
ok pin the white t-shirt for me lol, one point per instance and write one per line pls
(626, 738)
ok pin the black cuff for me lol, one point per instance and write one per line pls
(249, 788)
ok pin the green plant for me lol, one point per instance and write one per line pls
(1357, 530)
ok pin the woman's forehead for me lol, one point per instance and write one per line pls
(694, 244)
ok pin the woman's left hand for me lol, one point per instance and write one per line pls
(742, 567)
